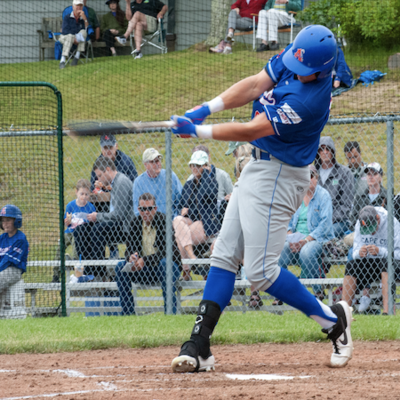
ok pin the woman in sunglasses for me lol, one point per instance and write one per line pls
(199, 209)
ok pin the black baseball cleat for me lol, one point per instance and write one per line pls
(340, 335)
(189, 359)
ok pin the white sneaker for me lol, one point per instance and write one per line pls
(227, 50)
(340, 335)
(121, 40)
(189, 364)
(230, 38)
(138, 55)
(365, 301)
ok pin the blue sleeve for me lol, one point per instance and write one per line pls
(290, 226)
(343, 72)
(92, 208)
(275, 67)
(69, 208)
(17, 255)
(135, 190)
(131, 172)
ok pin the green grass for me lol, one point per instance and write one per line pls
(48, 335)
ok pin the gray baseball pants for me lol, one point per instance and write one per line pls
(255, 224)
(9, 277)
(235, 21)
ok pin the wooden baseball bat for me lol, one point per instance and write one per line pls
(98, 128)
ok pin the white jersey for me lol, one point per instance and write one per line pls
(378, 239)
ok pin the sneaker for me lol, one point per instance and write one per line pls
(340, 335)
(62, 65)
(138, 55)
(120, 40)
(365, 301)
(274, 46)
(219, 48)
(227, 50)
(189, 360)
(262, 47)
(114, 54)
(74, 62)
(229, 38)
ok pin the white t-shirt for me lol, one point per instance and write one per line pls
(324, 174)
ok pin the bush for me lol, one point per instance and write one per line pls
(361, 21)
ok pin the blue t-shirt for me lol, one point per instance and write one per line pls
(298, 113)
(79, 214)
(13, 251)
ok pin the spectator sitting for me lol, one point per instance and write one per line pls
(370, 253)
(232, 149)
(308, 230)
(146, 250)
(73, 32)
(240, 17)
(338, 181)
(153, 181)
(199, 209)
(357, 167)
(113, 24)
(374, 194)
(274, 15)
(14, 247)
(93, 21)
(225, 185)
(91, 239)
(123, 163)
(341, 74)
(143, 15)
(75, 214)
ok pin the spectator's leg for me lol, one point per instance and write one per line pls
(137, 17)
(140, 27)
(68, 241)
(349, 289)
(109, 38)
(262, 28)
(9, 277)
(232, 18)
(310, 263)
(276, 18)
(124, 283)
(82, 241)
(385, 293)
(287, 257)
(67, 41)
(184, 240)
(81, 45)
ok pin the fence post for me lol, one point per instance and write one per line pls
(168, 168)
(390, 186)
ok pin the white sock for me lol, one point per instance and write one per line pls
(63, 58)
(78, 54)
(325, 323)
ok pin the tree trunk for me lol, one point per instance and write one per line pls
(219, 21)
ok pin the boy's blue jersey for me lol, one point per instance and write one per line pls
(13, 251)
(298, 113)
(78, 212)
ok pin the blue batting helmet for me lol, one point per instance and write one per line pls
(11, 211)
(313, 50)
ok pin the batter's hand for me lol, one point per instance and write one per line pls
(184, 127)
(198, 114)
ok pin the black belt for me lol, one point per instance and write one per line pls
(259, 154)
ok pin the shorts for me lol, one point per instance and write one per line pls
(151, 24)
(366, 270)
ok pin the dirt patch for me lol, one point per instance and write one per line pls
(302, 373)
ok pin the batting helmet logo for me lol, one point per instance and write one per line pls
(299, 54)
(106, 137)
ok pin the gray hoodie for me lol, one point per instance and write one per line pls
(339, 184)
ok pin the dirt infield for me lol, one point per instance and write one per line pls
(294, 371)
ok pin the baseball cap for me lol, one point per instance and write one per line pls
(368, 221)
(108, 140)
(199, 157)
(233, 146)
(109, 1)
(150, 155)
(375, 167)
(77, 2)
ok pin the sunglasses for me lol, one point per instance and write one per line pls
(144, 209)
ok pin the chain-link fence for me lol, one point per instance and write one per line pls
(31, 193)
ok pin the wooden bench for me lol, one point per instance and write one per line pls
(54, 25)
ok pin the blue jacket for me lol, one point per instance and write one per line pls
(343, 72)
(124, 164)
(319, 216)
(70, 26)
(202, 201)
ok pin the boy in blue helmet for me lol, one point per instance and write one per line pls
(14, 247)
(291, 101)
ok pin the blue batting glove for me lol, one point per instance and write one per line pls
(198, 114)
(184, 127)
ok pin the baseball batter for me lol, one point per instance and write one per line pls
(291, 107)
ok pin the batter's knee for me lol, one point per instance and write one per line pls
(262, 278)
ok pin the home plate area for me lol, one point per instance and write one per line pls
(273, 371)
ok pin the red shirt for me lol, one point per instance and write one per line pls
(254, 7)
